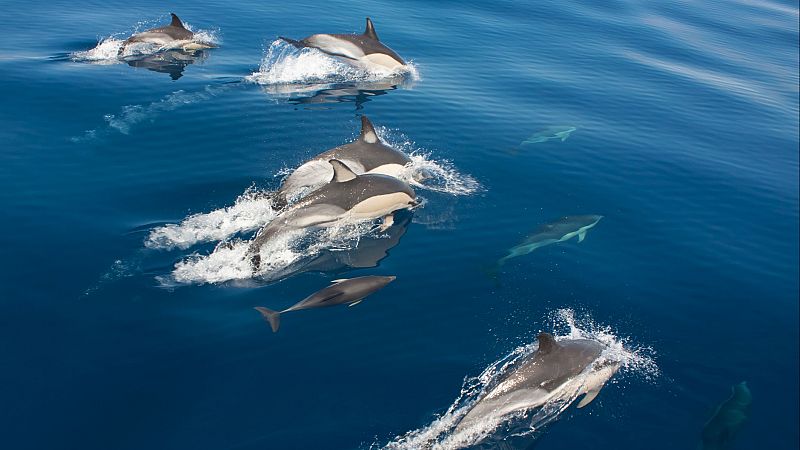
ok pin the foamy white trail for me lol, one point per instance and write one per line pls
(440, 434)
(286, 65)
(107, 49)
(279, 256)
(251, 211)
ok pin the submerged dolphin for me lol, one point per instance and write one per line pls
(348, 197)
(175, 35)
(556, 370)
(362, 49)
(729, 417)
(367, 154)
(345, 291)
(561, 230)
(550, 133)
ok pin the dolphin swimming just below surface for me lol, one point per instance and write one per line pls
(361, 49)
(729, 417)
(345, 291)
(347, 198)
(367, 154)
(559, 231)
(173, 36)
(556, 370)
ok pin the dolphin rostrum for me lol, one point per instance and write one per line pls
(348, 197)
(719, 431)
(559, 231)
(556, 370)
(361, 49)
(345, 291)
(174, 35)
(367, 154)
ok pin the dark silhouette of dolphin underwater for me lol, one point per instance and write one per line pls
(342, 292)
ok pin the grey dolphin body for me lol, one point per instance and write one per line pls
(367, 154)
(363, 49)
(344, 291)
(559, 231)
(347, 197)
(729, 417)
(551, 372)
(166, 37)
(550, 133)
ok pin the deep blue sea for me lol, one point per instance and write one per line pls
(123, 325)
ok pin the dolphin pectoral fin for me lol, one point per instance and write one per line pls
(581, 235)
(355, 303)
(388, 221)
(590, 395)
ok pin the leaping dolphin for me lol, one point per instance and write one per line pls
(556, 370)
(345, 291)
(367, 154)
(173, 36)
(362, 49)
(348, 197)
(559, 231)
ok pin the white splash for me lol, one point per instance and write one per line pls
(283, 64)
(425, 172)
(440, 434)
(104, 53)
(251, 211)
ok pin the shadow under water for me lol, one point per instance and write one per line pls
(171, 62)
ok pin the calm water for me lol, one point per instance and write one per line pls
(686, 141)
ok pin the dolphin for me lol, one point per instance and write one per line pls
(173, 36)
(360, 49)
(348, 197)
(550, 133)
(345, 291)
(559, 231)
(367, 154)
(556, 370)
(729, 417)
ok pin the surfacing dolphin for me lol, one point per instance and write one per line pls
(557, 370)
(347, 198)
(173, 36)
(559, 231)
(729, 417)
(345, 291)
(361, 49)
(367, 154)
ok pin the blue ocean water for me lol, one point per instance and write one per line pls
(121, 325)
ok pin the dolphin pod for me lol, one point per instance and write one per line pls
(348, 292)
(347, 198)
(367, 154)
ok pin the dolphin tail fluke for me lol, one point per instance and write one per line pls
(273, 318)
(294, 42)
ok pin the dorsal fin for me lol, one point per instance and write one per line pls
(370, 30)
(176, 22)
(368, 133)
(547, 343)
(341, 172)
